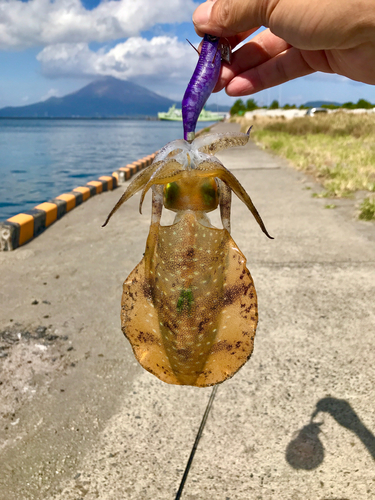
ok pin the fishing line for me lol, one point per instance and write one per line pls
(195, 446)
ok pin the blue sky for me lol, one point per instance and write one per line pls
(51, 48)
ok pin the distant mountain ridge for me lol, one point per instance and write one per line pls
(221, 108)
(319, 104)
(104, 98)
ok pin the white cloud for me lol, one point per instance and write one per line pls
(46, 22)
(50, 93)
(161, 59)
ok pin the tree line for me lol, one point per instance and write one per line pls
(240, 108)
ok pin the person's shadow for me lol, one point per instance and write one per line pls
(306, 450)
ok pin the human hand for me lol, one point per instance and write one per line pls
(302, 36)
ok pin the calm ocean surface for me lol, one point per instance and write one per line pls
(40, 159)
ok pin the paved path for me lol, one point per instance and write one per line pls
(97, 426)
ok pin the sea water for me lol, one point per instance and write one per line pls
(40, 159)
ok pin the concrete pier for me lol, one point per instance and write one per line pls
(80, 419)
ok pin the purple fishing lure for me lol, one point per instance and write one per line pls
(203, 81)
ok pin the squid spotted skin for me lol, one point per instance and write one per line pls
(189, 308)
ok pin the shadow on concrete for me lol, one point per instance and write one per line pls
(344, 415)
(306, 450)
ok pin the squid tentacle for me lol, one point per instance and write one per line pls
(157, 208)
(225, 204)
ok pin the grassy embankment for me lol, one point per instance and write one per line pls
(338, 149)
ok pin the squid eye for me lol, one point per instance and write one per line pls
(210, 194)
(171, 194)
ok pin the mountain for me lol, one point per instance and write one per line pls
(107, 97)
(318, 104)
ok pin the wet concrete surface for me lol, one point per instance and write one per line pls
(80, 419)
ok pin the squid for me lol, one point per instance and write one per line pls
(189, 308)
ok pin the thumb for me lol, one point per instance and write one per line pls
(228, 17)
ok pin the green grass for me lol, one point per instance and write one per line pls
(338, 149)
(367, 209)
(334, 125)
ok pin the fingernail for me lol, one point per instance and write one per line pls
(202, 14)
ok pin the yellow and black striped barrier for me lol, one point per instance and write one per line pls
(124, 173)
(22, 228)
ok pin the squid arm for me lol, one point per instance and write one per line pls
(210, 167)
(179, 159)
(135, 185)
(213, 143)
(152, 239)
